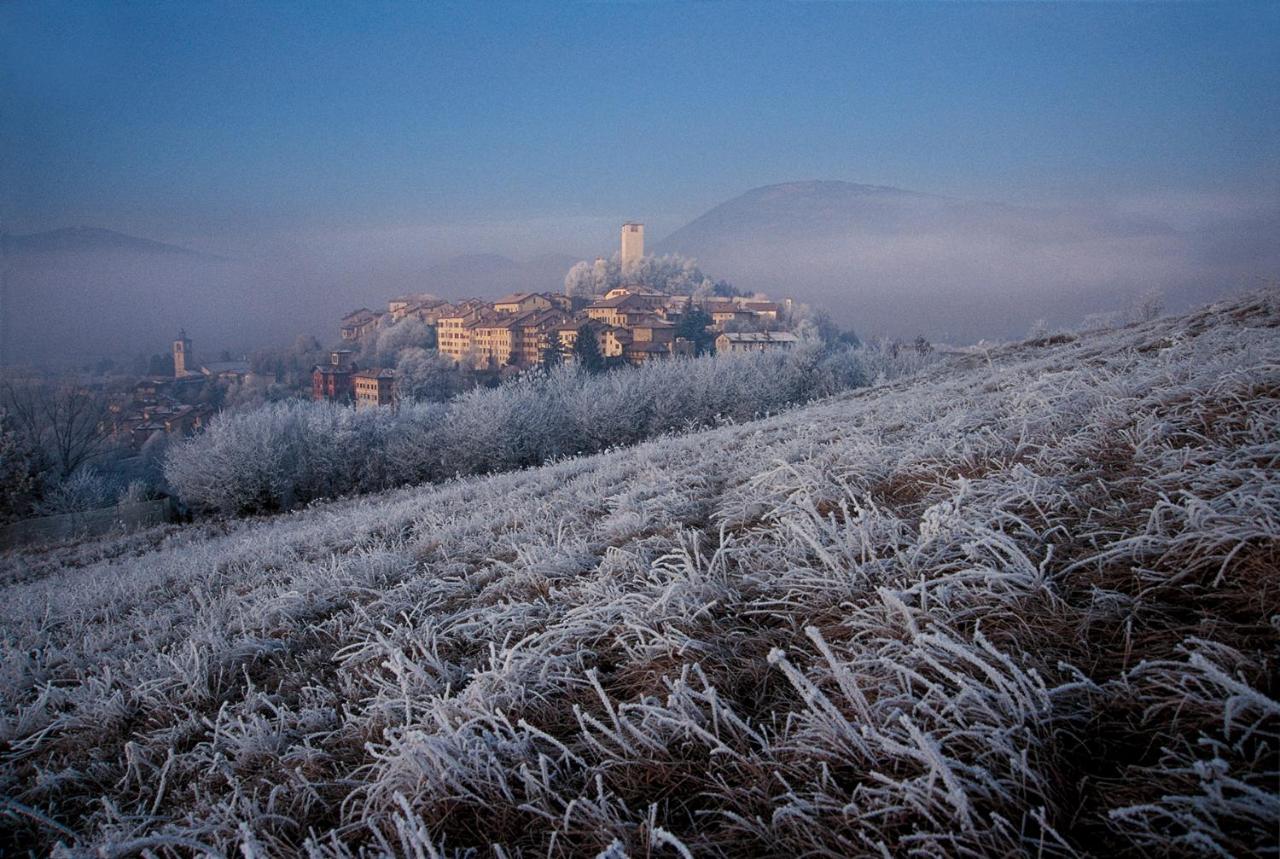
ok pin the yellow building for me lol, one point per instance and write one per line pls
(374, 388)
(522, 302)
(625, 309)
(610, 339)
(493, 340)
(653, 330)
(639, 353)
(536, 332)
(453, 337)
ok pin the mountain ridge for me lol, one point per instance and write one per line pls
(85, 238)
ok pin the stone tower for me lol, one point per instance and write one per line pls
(181, 354)
(632, 243)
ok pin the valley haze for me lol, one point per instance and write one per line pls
(882, 260)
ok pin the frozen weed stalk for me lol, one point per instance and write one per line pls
(1023, 603)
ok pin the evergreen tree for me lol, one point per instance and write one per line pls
(586, 351)
(551, 355)
(693, 327)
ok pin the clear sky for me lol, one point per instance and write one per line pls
(190, 121)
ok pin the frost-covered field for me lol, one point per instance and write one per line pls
(1030, 604)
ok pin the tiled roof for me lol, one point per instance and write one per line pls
(619, 301)
(653, 322)
(515, 297)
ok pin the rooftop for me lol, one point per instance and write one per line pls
(628, 300)
(515, 297)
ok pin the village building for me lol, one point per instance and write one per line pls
(409, 305)
(766, 312)
(637, 352)
(493, 340)
(654, 300)
(615, 340)
(453, 337)
(398, 307)
(732, 342)
(653, 330)
(430, 313)
(609, 339)
(536, 333)
(623, 310)
(522, 302)
(186, 420)
(373, 388)
(726, 315)
(674, 306)
(356, 324)
(331, 382)
(227, 371)
(146, 390)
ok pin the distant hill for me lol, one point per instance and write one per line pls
(91, 239)
(900, 262)
(72, 295)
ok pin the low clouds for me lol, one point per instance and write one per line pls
(896, 263)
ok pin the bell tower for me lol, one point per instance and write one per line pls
(632, 243)
(181, 354)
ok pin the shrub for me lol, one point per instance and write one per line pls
(283, 454)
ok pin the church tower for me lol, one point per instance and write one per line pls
(181, 354)
(632, 243)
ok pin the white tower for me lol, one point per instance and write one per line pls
(632, 243)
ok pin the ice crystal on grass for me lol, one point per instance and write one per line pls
(1024, 604)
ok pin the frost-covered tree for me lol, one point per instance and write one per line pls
(423, 374)
(1147, 306)
(389, 342)
(284, 454)
(672, 274)
(84, 489)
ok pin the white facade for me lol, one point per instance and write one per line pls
(632, 243)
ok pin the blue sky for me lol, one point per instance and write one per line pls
(211, 123)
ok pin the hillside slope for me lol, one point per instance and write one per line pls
(1027, 605)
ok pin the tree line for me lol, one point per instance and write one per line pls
(286, 454)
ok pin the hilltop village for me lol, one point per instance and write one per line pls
(629, 324)
(473, 341)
